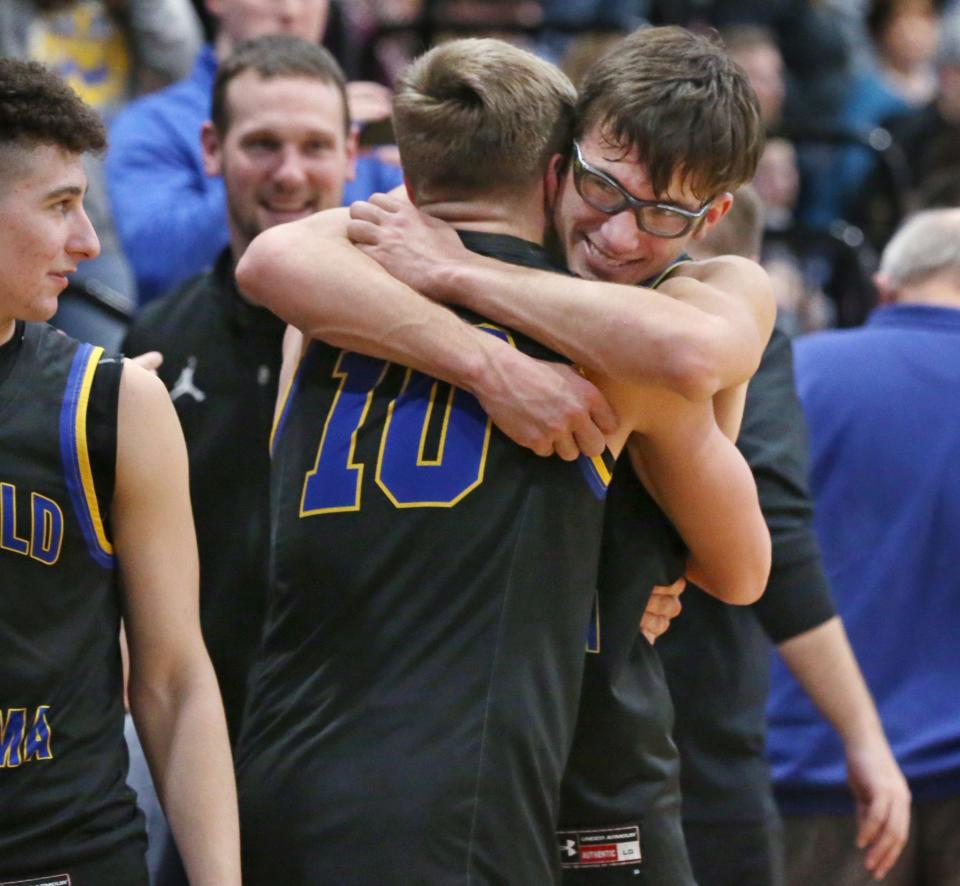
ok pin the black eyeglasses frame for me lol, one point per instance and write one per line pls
(581, 166)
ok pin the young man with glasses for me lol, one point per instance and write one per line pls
(666, 127)
(604, 193)
(663, 119)
(499, 712)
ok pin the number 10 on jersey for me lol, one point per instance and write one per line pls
(405, 472)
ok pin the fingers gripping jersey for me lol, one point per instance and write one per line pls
(66, 809)
(416, 691)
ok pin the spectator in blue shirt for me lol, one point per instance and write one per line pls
(881, 405)
(169, 214)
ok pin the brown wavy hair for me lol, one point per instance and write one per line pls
(682, 103)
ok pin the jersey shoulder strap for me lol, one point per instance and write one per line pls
(667, 272)
(88, 443)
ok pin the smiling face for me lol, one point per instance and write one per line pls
(46, 232)
(612, 248)
(285, 155)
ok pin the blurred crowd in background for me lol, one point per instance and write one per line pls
(861, 100)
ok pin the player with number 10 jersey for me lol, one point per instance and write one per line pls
(414, 701)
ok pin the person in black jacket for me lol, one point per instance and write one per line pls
(280, 136)
(285, 151)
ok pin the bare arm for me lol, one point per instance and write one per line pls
(173, 690)
(822, 661)
(702, 330)
(703, 484)
(310, 275)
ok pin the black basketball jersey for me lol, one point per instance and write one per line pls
(622, 776)
(620, 801)
(414, 700)
(67, 815)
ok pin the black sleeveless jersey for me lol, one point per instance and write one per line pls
(620, 797)
(67, 815)
(414, 700)
(620, 801)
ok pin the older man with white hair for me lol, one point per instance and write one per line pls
(881, 404)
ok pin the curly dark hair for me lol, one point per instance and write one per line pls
(38, 108)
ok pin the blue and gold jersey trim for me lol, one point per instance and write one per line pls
(76, 456)
(598, 472)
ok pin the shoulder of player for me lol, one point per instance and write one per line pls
(723, 272)
(141, 389)
(147, 425)
(728, 275)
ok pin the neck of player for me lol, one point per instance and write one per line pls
(490, 217)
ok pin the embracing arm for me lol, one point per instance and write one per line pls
(703, 485)
(689, 335)
(702, 330)
(710, 497)
(310, 275)
(173, 690)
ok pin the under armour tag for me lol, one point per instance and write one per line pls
(600, 847)
(52, 880)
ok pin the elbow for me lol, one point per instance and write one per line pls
(743, 579)
(693, 370)
(739, 590)
(754, 585)
(751, 580)
(166, 684)
(694, 379)
(254, 268)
